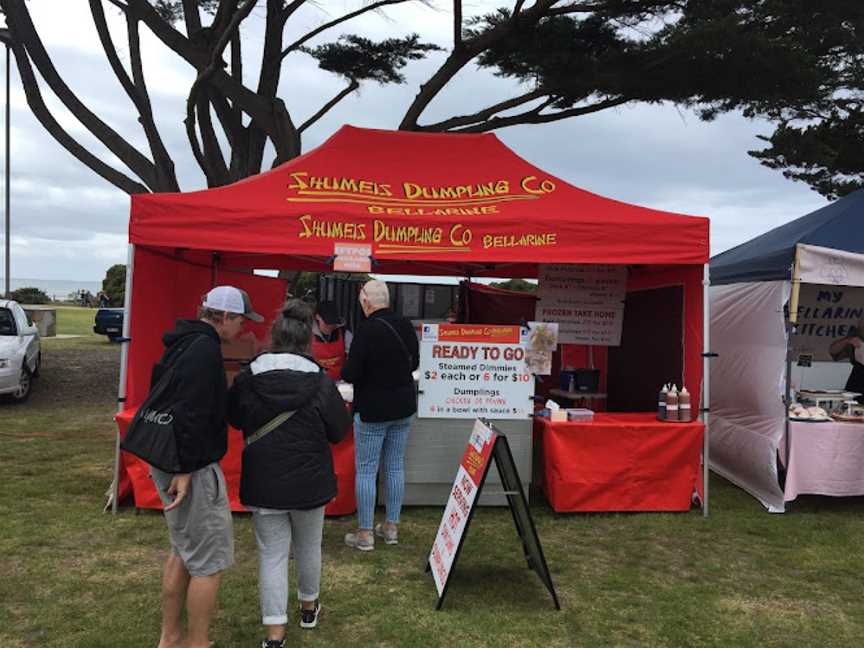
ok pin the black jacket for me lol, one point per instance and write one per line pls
(291, 467)
(200, 390)
(380, 369)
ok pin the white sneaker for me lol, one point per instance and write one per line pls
(389, 534)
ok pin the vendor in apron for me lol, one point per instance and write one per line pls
(851, 347)
(330, 340)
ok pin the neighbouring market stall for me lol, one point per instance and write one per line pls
(424, 204)
(777, 302)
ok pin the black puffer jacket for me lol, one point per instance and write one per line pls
(290, 468)
(193, 348)
(380, 368)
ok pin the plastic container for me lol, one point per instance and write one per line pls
(684, 411)
(558, 416)
(661, 403)
(580, 415)
(672, 404)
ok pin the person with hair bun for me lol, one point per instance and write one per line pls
(289, 411)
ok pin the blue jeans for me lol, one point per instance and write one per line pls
(369, 440)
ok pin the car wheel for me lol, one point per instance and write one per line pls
(24, 386)
(38, 365)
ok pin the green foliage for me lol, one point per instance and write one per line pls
(798, 63)
(827, 155)
(30, 295)
(515, 284)
(305, 285)
(114, 284)
(360, 59)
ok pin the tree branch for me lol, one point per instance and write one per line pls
(166, 180)
(483, 115)
(326, 107)
(192, 17)
(461, 57)
(211, 159)
(21, 25)
(312, 34)
(534, 116)
(268, 78)
(256, 107)
(291, 8)
(218, 174)
(41, 112)
(457, 24)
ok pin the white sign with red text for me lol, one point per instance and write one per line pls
(474, 371)
(473, 466)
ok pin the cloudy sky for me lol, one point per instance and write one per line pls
(67, 223)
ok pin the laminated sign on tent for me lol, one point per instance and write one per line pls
(420, 204)
(778, 302)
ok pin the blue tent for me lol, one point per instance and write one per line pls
(769, 257)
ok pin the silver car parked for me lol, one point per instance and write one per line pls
(20, 351)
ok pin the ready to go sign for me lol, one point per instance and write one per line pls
(474, 371)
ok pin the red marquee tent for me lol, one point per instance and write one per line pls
(435, 204)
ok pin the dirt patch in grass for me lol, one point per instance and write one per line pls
(83, 370)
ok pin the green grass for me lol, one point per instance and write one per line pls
(75, 577)
(72, 320)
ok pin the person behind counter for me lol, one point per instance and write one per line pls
(288, 410)
(330, 340)
(851, 347)
(380, 363)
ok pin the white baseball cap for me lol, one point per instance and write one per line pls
(231, 300)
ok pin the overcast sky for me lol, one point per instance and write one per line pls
(67, 223)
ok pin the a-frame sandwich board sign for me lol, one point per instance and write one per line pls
(485, 444)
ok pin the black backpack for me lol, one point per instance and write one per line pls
(151, 434)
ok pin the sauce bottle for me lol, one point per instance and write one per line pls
(672, 404)
(661, 403)
(684, 412)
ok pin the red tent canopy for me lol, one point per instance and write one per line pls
(427, 203)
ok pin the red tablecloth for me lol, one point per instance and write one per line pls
(620, 462)
(146, 496)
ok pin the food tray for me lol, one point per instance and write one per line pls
(810, 420)
(663, 420)
(843, 418)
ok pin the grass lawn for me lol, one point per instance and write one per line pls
(73, 320)
(73, 576)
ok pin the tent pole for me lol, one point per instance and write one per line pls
(706, 383)
(124, 359)
(790, 331)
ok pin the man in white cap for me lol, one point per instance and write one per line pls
(195, 498)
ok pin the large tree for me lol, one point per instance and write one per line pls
(796, 62)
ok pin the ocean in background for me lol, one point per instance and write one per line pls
(57, 289)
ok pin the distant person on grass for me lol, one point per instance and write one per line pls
(195, 499)
(288, 409)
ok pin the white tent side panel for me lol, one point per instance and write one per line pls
(747, 385)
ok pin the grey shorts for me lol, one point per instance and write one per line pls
(200, 529)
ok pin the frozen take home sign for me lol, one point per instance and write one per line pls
(587, 301)
(474, 370)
